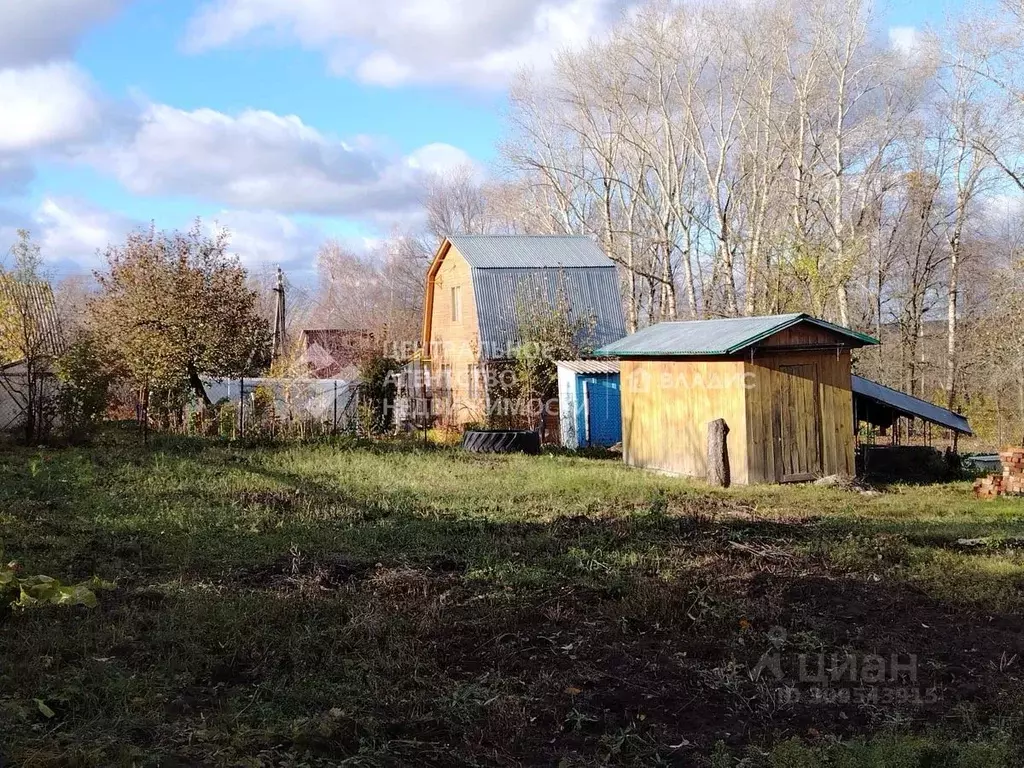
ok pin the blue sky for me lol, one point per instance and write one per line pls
(289, 121)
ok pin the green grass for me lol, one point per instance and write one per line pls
(392, 604)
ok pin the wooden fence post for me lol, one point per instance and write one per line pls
(718, 453)
(241, 408)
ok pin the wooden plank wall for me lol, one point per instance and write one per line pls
(454, 343)
(666, 407)
(836, 403)
(802, 335)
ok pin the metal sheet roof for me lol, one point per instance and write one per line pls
(589, 291)
(529, 251)
(34, 299)
(590, 367)
(908, 405)
(724, 336)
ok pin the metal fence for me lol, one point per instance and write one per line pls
(279, 404)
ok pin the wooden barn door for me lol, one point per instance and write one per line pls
(796, 416)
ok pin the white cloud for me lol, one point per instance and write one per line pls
(76, 231)
(906, 40)
(45, 106)
(34, 31)
(440, 159)
(73, 234)
(258, 160)
(393, 42)
(267, 238)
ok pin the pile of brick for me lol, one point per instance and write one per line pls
(1010, 483)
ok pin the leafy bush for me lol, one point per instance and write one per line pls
(548, 331)
(84, 389)
(262, 403)
(227, 418)
(260, 414)
(377, 394)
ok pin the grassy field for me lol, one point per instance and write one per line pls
(393, 605)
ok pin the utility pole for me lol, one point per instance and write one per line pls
(280, 340)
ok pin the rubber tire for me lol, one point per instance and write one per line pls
(501, 441)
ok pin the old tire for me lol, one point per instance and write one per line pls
(501, 441)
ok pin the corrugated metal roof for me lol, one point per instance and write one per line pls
(590, 367)
(724, 336)
(589, 291)
(908, 405)
(36, 300)
(529, 251)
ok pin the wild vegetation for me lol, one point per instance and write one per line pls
(385, 603)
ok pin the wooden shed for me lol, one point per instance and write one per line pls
(781, 383)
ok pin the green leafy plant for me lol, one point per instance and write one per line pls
(174, 307)
(377, 394)
(261, 413)
(227, 418)
(35, 591)
(84, 391)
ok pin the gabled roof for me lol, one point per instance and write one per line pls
(725, 336)
(529, 251)
(503, 268)
(908, 405)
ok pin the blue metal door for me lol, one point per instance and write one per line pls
(599, 410)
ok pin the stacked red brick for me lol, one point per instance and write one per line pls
(1011, 482)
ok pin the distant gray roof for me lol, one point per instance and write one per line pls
(908, 405)
(529, 251)
(590, 367)
(714, 337)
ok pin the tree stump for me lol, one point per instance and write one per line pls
(718, 453)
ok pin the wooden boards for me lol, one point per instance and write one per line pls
(796, 414)
(666, 408)
(454, 342)
(799, 409)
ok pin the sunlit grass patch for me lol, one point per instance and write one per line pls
(401, 604)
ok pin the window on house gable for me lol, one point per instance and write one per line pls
(457, 304)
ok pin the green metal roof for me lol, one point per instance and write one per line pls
(725, 336)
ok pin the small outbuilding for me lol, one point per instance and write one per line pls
(589, 404)
(27, 391)
(781, 383)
